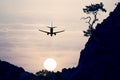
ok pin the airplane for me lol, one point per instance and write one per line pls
(51, 30)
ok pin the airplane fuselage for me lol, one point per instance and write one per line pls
(51, 31)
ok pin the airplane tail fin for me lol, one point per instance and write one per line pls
(51, 25)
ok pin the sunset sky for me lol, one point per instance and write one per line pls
(23, 45)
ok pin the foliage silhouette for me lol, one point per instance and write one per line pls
(50, 75)
(92, 9)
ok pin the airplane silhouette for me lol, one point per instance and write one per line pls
(51, 30)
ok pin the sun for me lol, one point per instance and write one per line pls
(50, 64)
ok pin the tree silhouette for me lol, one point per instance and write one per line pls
(92, 9)
(48, 75)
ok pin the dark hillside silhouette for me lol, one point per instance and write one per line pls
(11, 72)
(100, 59)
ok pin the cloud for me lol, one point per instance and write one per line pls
(25, 46)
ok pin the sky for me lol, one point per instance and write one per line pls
(23, 45)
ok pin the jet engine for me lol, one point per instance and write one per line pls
(54, 33)
(47, 33)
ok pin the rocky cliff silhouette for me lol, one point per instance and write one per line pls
(100, 59)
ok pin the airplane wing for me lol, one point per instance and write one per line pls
(59, 31)
(44, 31)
